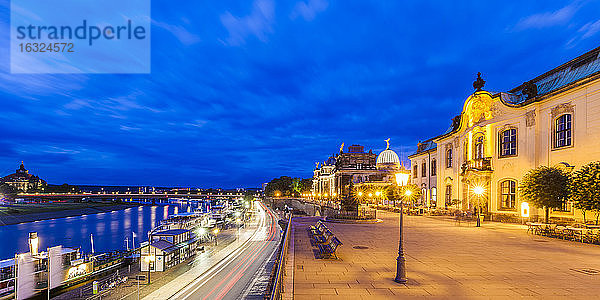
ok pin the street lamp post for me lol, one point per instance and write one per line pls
(216, 232)
(478, 191)
(401, 180)
(149, 258)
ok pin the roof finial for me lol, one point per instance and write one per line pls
(479, 83)
(388, 144)
(342, 147)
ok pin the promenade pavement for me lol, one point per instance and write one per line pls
(444, 260)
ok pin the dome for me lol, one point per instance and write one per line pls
(388, 157)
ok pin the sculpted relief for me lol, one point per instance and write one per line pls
(481, 108)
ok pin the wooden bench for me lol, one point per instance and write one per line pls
(328, 250)
(325, 237)
(318, 229)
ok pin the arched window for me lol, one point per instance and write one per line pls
(562, 131)
(508, 142)
(415, 171)
(433, 201)
(508, 194)
(449, 158)
(423, 169)
(433, 167)
(479, 151)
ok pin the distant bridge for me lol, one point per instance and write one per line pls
(123, 196)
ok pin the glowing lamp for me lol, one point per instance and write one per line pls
(377, 193)
(478, 190)
(359, 193)
(525, 209)
(402, 178)
(33, 243)
(408, 193)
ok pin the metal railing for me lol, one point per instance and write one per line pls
(361, 214)
(478, 164)
(277, 286)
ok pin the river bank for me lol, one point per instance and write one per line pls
(23, 213)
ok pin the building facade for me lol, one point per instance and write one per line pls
(22, 181)
(366, 170)
(166, 249)
(550, 120)
(424, 166)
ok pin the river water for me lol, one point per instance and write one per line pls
(109, 229)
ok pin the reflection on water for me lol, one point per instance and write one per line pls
(109, 229)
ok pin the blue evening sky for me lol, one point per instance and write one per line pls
(244, 91)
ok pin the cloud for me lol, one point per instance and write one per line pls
(548, 19)
(182, 34)
(309, 10)
(258, 23)
(586, 31)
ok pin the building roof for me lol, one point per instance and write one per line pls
(424, 147)
(388, 157)
(577, 71)
(171, 232)
(21, 174)
(585, 66)
(162, 245)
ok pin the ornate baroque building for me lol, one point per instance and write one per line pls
(23, 181)
(551, 120)
(332, 177)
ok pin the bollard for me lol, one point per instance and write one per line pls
(95, 287)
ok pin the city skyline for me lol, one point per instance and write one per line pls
(239, 95)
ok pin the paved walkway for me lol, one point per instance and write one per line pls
(444, 261)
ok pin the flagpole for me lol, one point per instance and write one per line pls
(92, 241)
(48, 273)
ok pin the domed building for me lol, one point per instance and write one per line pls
(366, 170)
(23, 181)
(388, 160)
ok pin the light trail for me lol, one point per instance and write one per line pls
(245, 262)
(239, 275)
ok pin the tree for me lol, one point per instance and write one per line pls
(392, 192)
(306, 185)
(282, 184)
(545, 187)
(296, 186)
(350, 202)
(585, 189)
(406, 193)
(288, 186)
(7, 191)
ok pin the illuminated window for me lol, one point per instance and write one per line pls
(433, 202)
(565, 206)
(508, 194)
(449, 158)
(562, 131)
(433, 167)
(508, 142)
